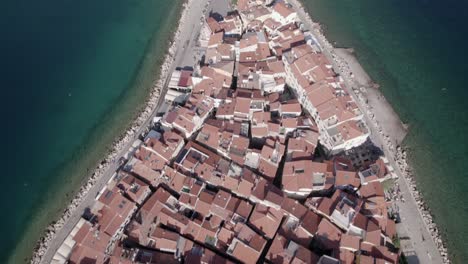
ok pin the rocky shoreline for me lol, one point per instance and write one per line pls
(399, 154)
(119, 144)
(401, 159)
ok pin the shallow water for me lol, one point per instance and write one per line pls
(74, 73)
(416, 50)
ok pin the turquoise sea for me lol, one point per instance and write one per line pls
(73, 75)
(417, 51)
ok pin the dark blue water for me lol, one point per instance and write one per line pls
(416, 50)
(73, 74)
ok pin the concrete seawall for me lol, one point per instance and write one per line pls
(387, 132)
(57, 231)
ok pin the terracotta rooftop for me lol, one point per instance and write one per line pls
(350, 242)
(164, 239)
(328, 234)
(266, 219)
(371, 189)
(293, 207)
(304, 176)
(216, 39)
(90, 244)
(347, 178)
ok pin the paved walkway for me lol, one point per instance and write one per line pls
(423, 248)
(188, 40)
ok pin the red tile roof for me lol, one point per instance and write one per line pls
(328, 234)
(266, 219)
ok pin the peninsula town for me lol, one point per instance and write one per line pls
(257, 154)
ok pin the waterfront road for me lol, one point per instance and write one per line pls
(184, 48)
(423, 250)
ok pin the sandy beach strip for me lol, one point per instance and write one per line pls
(387, 132)
(377, 107)
(57, 232)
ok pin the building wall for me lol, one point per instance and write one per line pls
(325, 138)
(284, 20)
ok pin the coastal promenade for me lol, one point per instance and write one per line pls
(418, 244)
(189, 28)
(422, 248)
(415, 238)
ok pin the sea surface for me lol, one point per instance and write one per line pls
(417, 51)
(73, 75)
